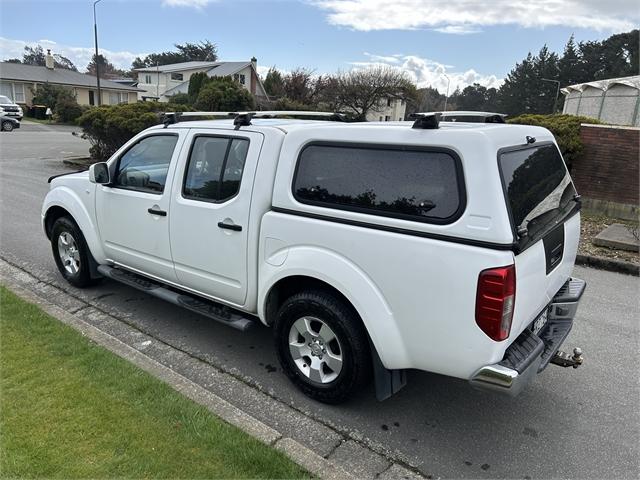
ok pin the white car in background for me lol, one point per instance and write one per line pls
(370, 248)
(9, 108)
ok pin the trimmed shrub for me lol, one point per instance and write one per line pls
(67, 111)
(180, 99)
(565, 128)
(223, 94)
(110, 127)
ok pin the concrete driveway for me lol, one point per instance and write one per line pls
(571, 423)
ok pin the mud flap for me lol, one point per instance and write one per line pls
(388, 382)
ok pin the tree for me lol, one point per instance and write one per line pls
(196, 82)
(223, 94)
(187, 52)
(12, 60)
(50, 95)
(36, 56)
(475, 97)
(570, 65)
(299, 86)
(107, 69)
(274, 83)
(364, 90)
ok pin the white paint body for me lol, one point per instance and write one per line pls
(415, 295)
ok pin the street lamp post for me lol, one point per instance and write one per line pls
(446, 99)
(97, 58)
(555, 103)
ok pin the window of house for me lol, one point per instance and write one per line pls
(6, 89)
(387, 118)
(177, 76)
(114, 98)
(388, 102)
(215, 167)
(18, 92)
(242, 79)
(147, 79)
(381, 118)
(413, 184)
(145, 165)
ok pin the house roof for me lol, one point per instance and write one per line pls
(605, 85)
(173, 67)
(59, 76)
(219, 69)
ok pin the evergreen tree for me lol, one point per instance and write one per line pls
(274, 83)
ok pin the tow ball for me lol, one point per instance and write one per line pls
(567, 360)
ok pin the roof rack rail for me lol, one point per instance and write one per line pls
(425, 121)
(241, 119)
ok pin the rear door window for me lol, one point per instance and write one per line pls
(537, 186)
(408, 183)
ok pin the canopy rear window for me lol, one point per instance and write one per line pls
(537, 184)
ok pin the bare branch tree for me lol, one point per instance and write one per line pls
(364, 90)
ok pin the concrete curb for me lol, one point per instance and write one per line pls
(328, 465)
(610, 264)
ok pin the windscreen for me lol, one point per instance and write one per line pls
(536, 183)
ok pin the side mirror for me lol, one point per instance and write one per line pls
(99, 173)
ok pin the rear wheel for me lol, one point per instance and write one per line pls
(322, 346)
(7, 126)
(71, 253)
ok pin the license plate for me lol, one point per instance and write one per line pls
(539, 322)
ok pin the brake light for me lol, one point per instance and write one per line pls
(495, 301)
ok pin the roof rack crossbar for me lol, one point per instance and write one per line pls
(244, 118)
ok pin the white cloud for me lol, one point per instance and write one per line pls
(467, 16)
(429, 73)
(186, 3)
(80, 56)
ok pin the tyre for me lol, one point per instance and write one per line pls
(322, 346)
(71, 253)
(7, 126)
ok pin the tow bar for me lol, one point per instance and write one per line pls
(567, 360)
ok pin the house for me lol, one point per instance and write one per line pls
(615, 101)
(164, 81)
(388, 110)
(18, 81)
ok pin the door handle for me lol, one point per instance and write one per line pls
(154, 211)
(230, 226)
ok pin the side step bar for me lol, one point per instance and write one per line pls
(209, 309)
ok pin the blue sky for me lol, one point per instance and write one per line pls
(469, 40)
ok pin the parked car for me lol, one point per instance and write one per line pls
(367, 247)
(8, 124)
(9, 108)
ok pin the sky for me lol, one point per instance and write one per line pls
(439, 43)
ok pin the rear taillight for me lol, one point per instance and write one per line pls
(495, 301)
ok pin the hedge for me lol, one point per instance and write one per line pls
(110, 127)
(565, 128)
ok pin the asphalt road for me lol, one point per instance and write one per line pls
(569, 424)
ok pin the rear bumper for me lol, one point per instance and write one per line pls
(530, 353)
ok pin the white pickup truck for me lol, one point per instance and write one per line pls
(370, 248)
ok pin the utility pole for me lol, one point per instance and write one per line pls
(97, 58)
(446, 99)
(555, 102)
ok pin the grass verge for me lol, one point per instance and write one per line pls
(71, 409)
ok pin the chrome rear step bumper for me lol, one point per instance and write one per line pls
(529, 354)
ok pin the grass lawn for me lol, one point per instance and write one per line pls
(71, 409)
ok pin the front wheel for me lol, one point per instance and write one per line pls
(322, 346)
(71, 253)
(7, 126)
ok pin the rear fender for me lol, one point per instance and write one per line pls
(351, 282)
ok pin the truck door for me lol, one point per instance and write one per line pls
(209, 213)
(132, 210)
